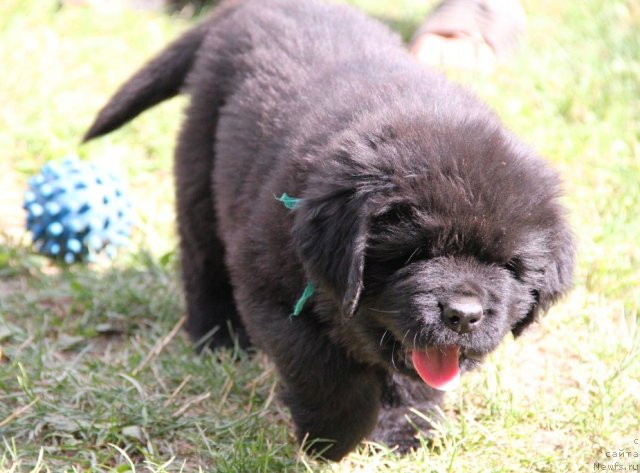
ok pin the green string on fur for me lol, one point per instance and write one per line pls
(288, 201)
(291, 203)
(308, 292)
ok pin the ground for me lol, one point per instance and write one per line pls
(96, 375)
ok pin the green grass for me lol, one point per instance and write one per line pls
(96, 375)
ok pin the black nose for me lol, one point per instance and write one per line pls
(462, 315)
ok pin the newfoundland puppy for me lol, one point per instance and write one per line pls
(372, 227)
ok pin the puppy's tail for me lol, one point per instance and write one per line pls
(159, 80)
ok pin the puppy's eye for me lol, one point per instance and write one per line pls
(398, 259)
(516, 267)
(399, 213)
(389, 262)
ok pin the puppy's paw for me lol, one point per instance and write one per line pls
(399, 427)
(408, 404)
(401, 437)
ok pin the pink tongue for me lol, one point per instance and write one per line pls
(437, 366)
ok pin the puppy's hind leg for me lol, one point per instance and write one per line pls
(212, 317)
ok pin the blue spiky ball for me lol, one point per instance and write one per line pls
(76, 210)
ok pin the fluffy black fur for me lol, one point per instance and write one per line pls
(413, 194)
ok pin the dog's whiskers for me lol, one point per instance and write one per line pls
(384, 311)
(415, 252)
(386, 332)
(393, 359)
(405, 336)
(415, 335)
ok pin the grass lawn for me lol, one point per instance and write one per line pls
(96, 375)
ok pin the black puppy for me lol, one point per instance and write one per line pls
(424, 230)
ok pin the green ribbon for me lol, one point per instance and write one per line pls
(306, 294)
(291, 203)
(288, 201)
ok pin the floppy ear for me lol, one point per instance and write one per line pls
(330, 233)
(556, 279)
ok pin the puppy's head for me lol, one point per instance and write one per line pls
(434, 249)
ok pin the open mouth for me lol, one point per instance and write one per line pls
(438, 366)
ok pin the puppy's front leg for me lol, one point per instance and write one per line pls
(397, 422)
(334, 401)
